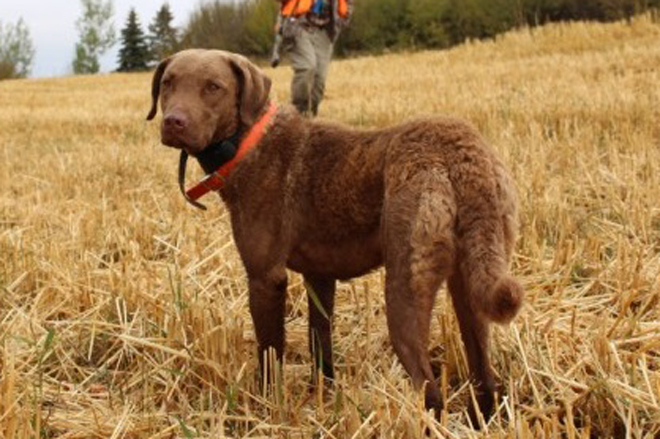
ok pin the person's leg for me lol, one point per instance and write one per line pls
(303, 61)
(323, 46)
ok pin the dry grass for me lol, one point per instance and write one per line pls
(123, 311)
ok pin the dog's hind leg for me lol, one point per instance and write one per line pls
(419, 255)
(474, 331)
(321, 302)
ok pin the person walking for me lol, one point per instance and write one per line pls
(309, 29)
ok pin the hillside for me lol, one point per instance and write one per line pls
(123, 310)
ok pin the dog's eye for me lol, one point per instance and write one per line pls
(166, 83)
(213, 87)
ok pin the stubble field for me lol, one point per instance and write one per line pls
(123, 310)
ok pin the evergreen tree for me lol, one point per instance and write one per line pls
(134, 53)
(163, 37)
(97, 35)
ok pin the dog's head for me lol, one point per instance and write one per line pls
(205, 96)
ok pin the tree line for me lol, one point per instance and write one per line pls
(247, 27)
(426, 24)
(379, 25)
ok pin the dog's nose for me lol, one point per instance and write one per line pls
(175, 121)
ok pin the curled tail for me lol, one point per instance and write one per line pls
(493, 292)
(486, 228)
(502, 300)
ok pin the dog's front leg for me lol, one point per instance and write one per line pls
(267, 299)
(321, 302)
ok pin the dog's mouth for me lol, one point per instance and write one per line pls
(177, 143)
(206, 155)
(180, 140)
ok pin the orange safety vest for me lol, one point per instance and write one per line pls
(301, 7)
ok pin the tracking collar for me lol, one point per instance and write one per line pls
(219, 159)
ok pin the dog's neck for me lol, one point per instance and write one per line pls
(218, 159)
(219, 153)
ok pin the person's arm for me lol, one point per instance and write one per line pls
(350, 4)
(278, 24)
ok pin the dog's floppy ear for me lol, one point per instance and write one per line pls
(155, 87)
(253, 88)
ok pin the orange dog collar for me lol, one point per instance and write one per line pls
(216, 180)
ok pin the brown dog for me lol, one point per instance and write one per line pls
(427, 199)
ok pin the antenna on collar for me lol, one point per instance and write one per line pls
(183, 161)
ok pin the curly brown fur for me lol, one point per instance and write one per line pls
(427, 199)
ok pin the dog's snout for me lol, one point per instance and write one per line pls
(175, 121)
(176, 129)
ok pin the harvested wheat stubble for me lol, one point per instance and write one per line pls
(123, 312)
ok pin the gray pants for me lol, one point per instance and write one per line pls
(310, 59)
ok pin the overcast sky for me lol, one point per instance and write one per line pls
(52, 28)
